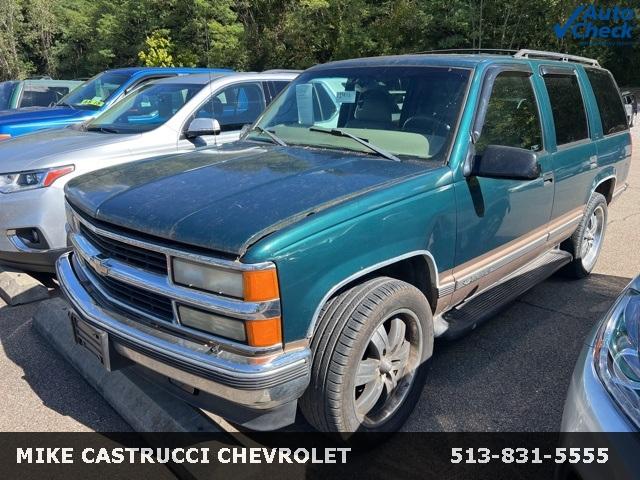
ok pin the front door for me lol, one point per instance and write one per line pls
(233, 107)
(502, 223)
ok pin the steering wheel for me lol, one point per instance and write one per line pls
(427, 125)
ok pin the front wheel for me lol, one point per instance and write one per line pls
(368, 356)
(586, 242)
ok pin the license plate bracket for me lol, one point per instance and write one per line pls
(96, 342)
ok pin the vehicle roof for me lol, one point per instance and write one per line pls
(204, 78)
(141, 70)
(49, 81)
(439, 59)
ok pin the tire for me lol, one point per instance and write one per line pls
(593, 224)
(348, 339)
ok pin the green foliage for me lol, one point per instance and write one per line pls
(158, 51)
(82, 37)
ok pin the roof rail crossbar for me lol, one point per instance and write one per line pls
(282, 70)
(564, 57)
(504, 51)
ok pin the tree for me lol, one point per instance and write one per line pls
(42, 21)
(82, 37)
(12, 63)
(158, 52)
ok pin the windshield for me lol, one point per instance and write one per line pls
(6, 92)
(144, 109)
(405, 111)
(94, 93)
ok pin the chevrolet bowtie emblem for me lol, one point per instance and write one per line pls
(100, 265)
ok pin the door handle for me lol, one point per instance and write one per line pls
(593, 161)
(547, 178)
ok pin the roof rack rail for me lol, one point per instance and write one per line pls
(564, 57)
(283, 70)
(504, 51)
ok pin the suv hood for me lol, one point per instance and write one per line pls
(226, 199)
(50, 148)
(42, 115)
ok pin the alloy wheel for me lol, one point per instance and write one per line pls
(387, 368)
(592, 238)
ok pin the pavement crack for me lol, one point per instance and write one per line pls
(624, 219)
(551, 310)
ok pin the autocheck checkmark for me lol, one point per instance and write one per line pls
(562, 30)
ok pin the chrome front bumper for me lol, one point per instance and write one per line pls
(259, 384)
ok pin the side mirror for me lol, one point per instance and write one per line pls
(202, 126)
(498, 161)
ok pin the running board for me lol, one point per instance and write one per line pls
(467, 316)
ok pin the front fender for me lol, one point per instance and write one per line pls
(315, 266)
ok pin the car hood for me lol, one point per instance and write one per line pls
(41, 114)
(227, 199)
(49, 147)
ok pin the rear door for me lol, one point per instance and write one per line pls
(612, 131)
(574, 155)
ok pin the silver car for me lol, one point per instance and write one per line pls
(604, 394)
(167, 116)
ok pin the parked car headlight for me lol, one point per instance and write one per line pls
(617, 354)
(19, 181)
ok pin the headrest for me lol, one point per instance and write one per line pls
(374, 105)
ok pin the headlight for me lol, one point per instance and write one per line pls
(210, 322)
(72, 220)
(247, 285)
(19, 181)
(251, 286)
(618, 355)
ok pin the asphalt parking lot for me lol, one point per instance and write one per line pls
(511, 374)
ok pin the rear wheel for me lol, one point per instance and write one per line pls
(586, 242)
(368, 352)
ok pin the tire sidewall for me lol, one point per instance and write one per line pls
(596, 201)
(405, 300)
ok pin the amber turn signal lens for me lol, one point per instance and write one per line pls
(260, 285)
(264, 333)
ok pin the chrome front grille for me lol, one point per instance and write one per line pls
(138, 257)
(133, 275)
(158, 306)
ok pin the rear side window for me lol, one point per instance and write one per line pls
(39, 96)
(569, 114)
(512, 118)
(277, 87)
(608, 99)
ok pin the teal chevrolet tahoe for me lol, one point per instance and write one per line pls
(376, 205)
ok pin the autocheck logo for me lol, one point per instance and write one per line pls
(602, 24)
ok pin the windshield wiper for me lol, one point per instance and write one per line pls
(65, 104)
(271, 135)
(340, 133)
(101, 129)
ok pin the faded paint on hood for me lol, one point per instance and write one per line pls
(228, 198)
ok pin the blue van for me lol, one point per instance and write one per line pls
(88, 100)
